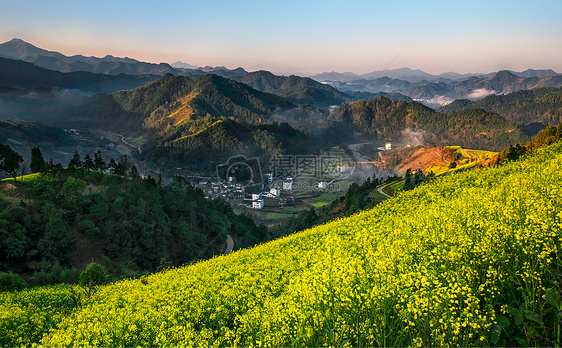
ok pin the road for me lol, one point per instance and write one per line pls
(133, 146)
(438, 154)
(229, 244)
(114, 137)
(382, 192)
(472, 154)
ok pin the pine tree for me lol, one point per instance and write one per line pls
(134, 173)
(408, 185)
(112, 166)
(88, 163)
(37, 161)
(9, 160)
(99, 164)
(75, 161)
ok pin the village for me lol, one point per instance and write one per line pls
(232, 190)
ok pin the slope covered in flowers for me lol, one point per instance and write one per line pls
(469, 259)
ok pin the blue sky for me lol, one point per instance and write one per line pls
(300, 36)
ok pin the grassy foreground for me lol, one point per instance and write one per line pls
(469, 259)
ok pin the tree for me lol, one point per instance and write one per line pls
(88, 163)
(75, 161)
(94, 275)
(9, 160)
(408, 185)
(112, 166)
(37, 161)
(11, 282)
(134, 173)
(99, 164)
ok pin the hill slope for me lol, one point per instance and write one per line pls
(191, 120)
(397, 121)
(534, 108)
(20, 74)
(459, 261)
(19, 49)
(299, 90)
(70, 217)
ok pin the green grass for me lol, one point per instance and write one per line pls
(277, 216)
(27, 177)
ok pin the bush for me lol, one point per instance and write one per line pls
(94, 274)
(11, 282)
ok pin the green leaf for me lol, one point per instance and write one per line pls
(517, 315)
(552, 297)
(522, 342)
(530, 315)
(496, 333)
(503, 321)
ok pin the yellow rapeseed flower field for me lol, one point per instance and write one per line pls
(469, 259)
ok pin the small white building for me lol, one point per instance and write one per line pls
(323, 185)
(258, 204)
(388, 146)
(275, 192)
(256, 196)
(288, 184)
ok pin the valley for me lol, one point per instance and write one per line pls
(153, 204)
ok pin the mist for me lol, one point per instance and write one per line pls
(50, 106)
(480, 93)
(307, 116)
(413, 138)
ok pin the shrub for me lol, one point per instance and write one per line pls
(11, 282)
(94, 274)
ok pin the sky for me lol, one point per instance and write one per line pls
(299, 37)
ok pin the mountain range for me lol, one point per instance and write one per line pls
(439, 93)
(205, 116)
(415, 76)
(534, 109)
(19, 49)
(17, 75)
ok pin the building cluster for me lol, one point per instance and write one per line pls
(231, 190)
(226, 190)
(74, 131)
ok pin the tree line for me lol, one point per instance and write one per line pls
(68, 216)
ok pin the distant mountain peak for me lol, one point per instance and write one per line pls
(505, 73)
(182, 65)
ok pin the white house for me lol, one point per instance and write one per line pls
(388, 146)
(322, 185)
(275, 192)
(256, 196)
(258, 204)
(288, 184)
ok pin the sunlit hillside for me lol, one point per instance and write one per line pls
(468, 259)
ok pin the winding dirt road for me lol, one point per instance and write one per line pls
(380, 189)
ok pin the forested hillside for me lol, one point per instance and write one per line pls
(534, 108)
(385, 119)
(299, 90)
(52, 225)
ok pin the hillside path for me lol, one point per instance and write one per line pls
(229, 244)
(382, 192)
